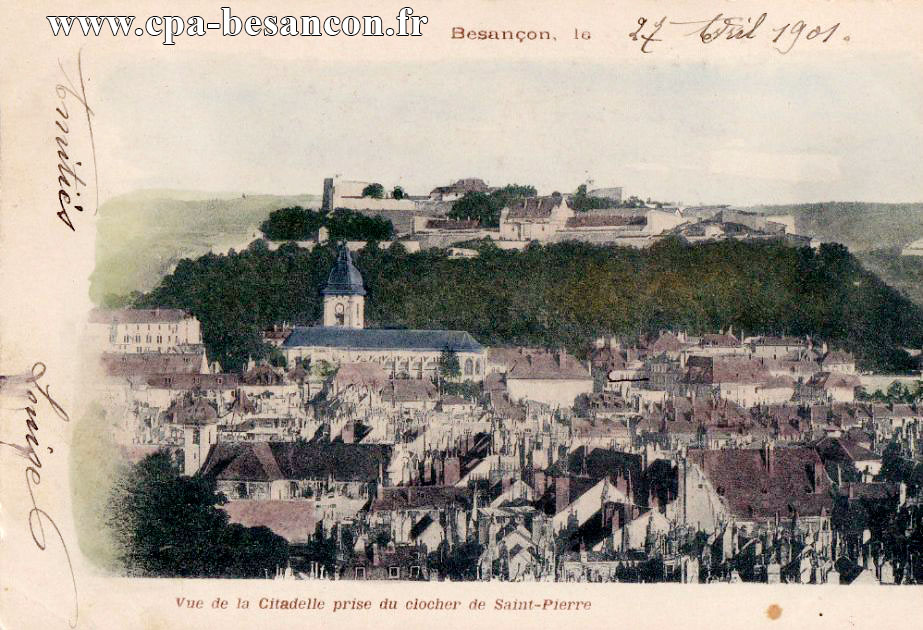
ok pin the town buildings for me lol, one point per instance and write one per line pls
(403, 353)
(668, 457)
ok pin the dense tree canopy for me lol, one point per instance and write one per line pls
(300, 224)
(169, 525)
(292, 224)
(486, 207)
(562, 294)
(583, 202)
(376, 191)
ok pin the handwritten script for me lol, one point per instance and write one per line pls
(720, 28)
(70, 181)
(41, 525)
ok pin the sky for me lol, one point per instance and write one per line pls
(690, 133)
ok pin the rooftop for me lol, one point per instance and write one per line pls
(270, 461)
(137, 315)
(344, 278)
(765, 483)
(382, 339)
(534, 207)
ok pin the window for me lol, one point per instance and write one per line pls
(469, 367)
(195, 436)
(137, 338)
(148, 340)
(415, 572)
(477, 366)
(360, 573)
(159, 339)
(127, 338)
(394, 573)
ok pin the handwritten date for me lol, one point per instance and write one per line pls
(783, 38)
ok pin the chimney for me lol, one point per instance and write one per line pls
(561, 493)
(819, 475)
(452, 472)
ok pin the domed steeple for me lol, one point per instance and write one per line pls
(344, 295)
(344, 278)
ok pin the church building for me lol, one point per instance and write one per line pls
(402, 353)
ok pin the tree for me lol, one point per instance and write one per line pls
(300, 224)
(894, 468)
(398, 193)
(583, 201)
(449, 366)
(555, 295)
(375, 191)
(350, 225)
(168, 525)
(478, 206)
(276, 357)
(486, 207)
(460, 563)
(292, 224)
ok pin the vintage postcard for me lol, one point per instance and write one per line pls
(407, 315)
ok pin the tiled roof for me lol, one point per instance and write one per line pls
(268, 461)
(830, 380)
(450, 224)
(293, 520)
(534, 207)
(667, 342)
(743, 479)
(149, 363)
(344, 278)
(723, 340)
(422, 497)
(196, 411)
(136, 315)
(547, 366)
(382, 339)
(412, 390)
(604, 220)
(715, 370)
(870, 491)
(360, 374)
(779, 341)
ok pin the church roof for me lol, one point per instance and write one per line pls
(344, 278)
(382, 339)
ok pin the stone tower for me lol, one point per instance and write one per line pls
(344, 295)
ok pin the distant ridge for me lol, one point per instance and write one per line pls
(143, 234)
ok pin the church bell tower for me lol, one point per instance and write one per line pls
(344, 295)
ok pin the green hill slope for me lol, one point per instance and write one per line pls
(875, 232)
(859, 226)
(141, 236)
(559, 295)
